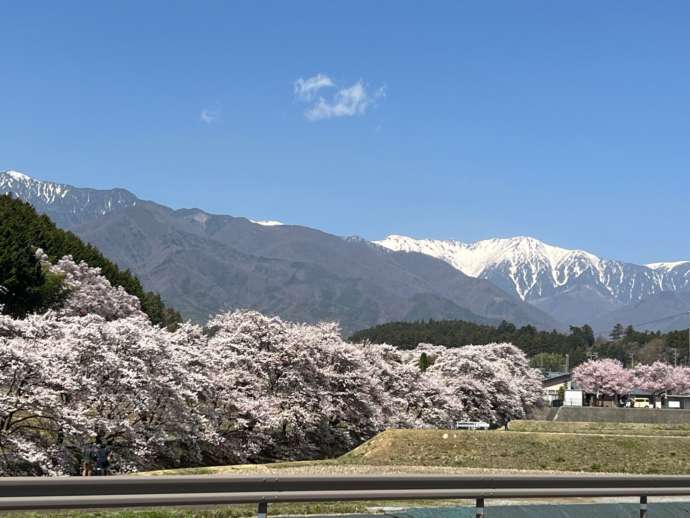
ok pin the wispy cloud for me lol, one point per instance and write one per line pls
(345, 102)
(209, 116)
(306, 89)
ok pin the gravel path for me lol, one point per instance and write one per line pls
(316, 469)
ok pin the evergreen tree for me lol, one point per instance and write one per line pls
(617, 332)
(424, 362)
(546, 349)
(629, 333)
(29, 289)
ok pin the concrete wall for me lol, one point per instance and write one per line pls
(621, 415)
(543, 414)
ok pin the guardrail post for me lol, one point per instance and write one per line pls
(643, 507)
(263, 510)
(480, 508)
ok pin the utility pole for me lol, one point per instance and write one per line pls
(567, 361)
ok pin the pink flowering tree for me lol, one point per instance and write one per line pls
(657, 378)
(90, 293)
(289, 390)
(680, 380)
(412, 398)
(492, 381)
(246, 388)
(604, 377)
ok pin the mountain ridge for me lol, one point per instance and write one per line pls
(488, 280)
(203, 263)
(558, 280)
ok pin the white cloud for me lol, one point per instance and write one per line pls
(306, 89)
(209, 116)
(345, 102)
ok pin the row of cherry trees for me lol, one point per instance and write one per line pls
(609, 378)
(245, 388)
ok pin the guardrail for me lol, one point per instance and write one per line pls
(36, 493)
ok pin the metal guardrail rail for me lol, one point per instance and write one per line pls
(36, 493)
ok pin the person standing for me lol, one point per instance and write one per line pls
(506, 421)
(88, 460)
(102, 459)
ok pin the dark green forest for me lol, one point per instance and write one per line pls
(546, 349)
(28, 288)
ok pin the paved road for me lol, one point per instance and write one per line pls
(656, 510)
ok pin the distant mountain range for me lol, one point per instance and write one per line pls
(203, 263)
(573, 286)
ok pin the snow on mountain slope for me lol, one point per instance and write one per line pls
(268, 223)
(68, 205)
(47, 192)
(667, 267)
(524, 258)
(555, 279)
(203, 263)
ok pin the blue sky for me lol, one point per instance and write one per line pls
(569, 122)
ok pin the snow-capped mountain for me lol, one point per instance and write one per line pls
(68, 206)
(202, 263)
(196, 261)
(574, 286)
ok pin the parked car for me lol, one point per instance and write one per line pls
(639, 402)
(471, 425)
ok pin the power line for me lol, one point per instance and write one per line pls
(662, 319)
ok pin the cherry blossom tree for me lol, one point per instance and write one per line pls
(656, 378)
(245, 388)
(33, 385)
(286, 390)
(69, 380)
(604, 377)
(492, 381)
(90, 293)
(413, 398)
(680, 380)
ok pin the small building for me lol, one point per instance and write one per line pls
(574, 397)
(639, 398)
(554, 386)
(677, 401)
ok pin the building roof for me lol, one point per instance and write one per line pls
(555, 378)
(640, 392)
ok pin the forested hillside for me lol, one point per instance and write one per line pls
(546, 349)
(30, 288)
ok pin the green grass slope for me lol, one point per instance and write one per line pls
(624, 429)
(587, 452)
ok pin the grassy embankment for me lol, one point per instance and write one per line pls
(578, 447)
(654, 430)
(530, 446)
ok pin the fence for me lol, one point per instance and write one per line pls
(35, 493)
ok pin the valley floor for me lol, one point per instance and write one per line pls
(531, 447)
